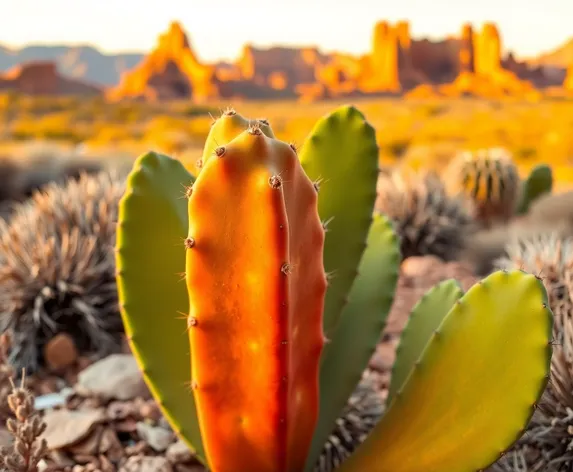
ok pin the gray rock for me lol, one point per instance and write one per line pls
(146, 464)
(115, 377)
(158, 438)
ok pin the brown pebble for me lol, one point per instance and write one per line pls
(60, 352)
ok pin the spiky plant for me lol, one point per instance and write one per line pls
(490, 178)
(57, 269)
(427, 220)
(548, 444)
(361, 413)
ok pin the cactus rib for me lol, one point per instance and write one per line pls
(341, 153)
(255, 323)
(424, 319)
(151, 299)
(363, 318)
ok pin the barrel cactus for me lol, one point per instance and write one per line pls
(490, 179)
(289, 279)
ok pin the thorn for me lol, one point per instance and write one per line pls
(199, 163)
(229, 111)
(284, 343)
(189, 243)
(220, 151)
(292, 145)
(264, 121)
(275, 181)
(255, 129)
(326, 223)
(191, 321)
(188, 191)
(286, 268)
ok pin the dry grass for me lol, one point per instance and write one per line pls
(417, 133)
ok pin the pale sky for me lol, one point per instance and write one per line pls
(218, 28)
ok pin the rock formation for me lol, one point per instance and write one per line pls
(568, 83)
(466, 55)
(43, 78)
(171, 71)
(471, 64)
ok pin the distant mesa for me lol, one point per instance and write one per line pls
(42, 78)
(469, 65)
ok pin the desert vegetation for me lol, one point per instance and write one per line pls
(437, 237)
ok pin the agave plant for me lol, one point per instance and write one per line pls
(288, 281)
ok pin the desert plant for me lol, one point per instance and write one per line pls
(427, 220)
(26, 427)
(57, 271)
(489, 177)
(547, 445)
(538, 183)
(247, 332)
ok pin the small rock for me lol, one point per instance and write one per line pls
(417, 266)
(64, 427)
(158, 438)
(146, 464)
(179, 452)
(60, 352)
(383, 358)
(115, 377)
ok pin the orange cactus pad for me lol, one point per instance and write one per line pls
(256, 284)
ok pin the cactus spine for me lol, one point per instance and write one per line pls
(256, 286)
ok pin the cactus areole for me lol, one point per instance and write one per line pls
(256, 285)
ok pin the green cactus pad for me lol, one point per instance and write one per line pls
(475, 387)
(425, 318)
(539, 182)
(342, 155)
(360, 327)
(152, 294)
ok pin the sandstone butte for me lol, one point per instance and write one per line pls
(42, 78)
(468, 65)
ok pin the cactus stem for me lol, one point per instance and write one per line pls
(220, 151)
(189, 243)
(275, 181)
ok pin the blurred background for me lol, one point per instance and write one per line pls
(94, 84)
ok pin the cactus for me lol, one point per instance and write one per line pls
(427, 220)
(265, 312)
(538, 183)
(424, 319)
(546, 445)
(361, 413)
(490, 179)
(153, 214)
(241, 372)
(492, 349)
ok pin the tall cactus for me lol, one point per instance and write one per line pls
(235, 356)
(256, 286)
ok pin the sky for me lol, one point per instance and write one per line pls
(219, 28)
